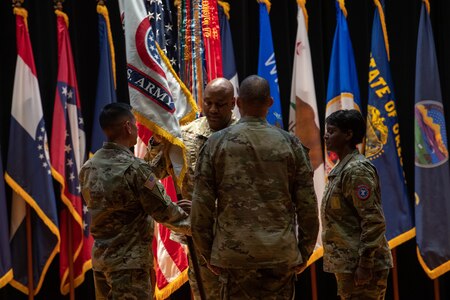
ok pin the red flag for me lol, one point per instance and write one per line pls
(211, 39)
(67, 150)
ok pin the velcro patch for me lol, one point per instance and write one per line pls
(150, 183)
(362, 192)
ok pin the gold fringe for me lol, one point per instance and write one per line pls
(51, 226)
(400, 239)
(191, 115)
(267, 3)
(342, 6)
(103, 10)
(383, 26)
(427, 5)
(6, 278)
(65, 288)
(165, 292)
(177, 3)
(302, 4)
(64, 15)
(317, 254)
(20, 11)
(226, 8)
(169, 137)
(436, 272)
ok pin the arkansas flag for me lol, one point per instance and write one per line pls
(68, 146)
(28, 173)
(159, 99)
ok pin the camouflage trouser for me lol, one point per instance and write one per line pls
(374, 290)
(267, 284)
(211, 283)
(131, 284)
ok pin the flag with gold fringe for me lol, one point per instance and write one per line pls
(6, 271)
(432, 174)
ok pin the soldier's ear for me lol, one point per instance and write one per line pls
(348, 135)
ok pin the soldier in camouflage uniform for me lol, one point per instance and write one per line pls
(353, 235)
(124, 197)
(218, 104)
(253, 186)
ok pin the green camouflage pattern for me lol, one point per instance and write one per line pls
(374, 290)
(132, 284)
(353, 224)
(124, 197)
(266, 214)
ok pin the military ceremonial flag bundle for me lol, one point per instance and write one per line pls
(228, 62)
(267, 66)
(159, 99)
(28, 170)
(303, 114)
(67, 150)
(6, 272)
(432, 177)
(383, 137)
(343, 90)
(106, 86)
(211, 39)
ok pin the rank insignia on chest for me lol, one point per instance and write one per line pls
(363, 192)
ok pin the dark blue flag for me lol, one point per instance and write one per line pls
(267, 66)
(432, 175)
(106, 88)
(383, 138)
(6, 272)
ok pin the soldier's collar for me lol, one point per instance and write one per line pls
(111, 145)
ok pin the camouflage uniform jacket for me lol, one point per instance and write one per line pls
(262, 179)
(194, 136)
(353, 222)
(123, 197)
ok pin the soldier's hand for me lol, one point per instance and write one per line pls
(363, 276)
(300, 268)
(185, 205)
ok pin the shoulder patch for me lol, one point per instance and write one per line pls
(151, 182)
(362, 192)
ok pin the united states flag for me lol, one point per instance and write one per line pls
(67, 149)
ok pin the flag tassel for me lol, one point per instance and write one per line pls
(29, 255)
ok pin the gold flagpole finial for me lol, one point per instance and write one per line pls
(58, 4)
(17, 3)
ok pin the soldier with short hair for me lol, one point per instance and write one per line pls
(253, 186)
(218, 104)
(124, 197)
(353, 224)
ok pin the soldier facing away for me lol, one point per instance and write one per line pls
(218, 104)
(253, 186)
(124, 197)
(353, 234)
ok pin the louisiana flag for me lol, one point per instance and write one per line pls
(267, 66)
(160, 101)
(432, 177)
(228, 62)
(28, 171)
(382, 144)
(106, 87)
(67, 149)
(303, 114)
(343, 90)
(6, 272)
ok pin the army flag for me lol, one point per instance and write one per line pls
(382, 144)
(6, 271)
(267, 66)
(28, 171)
(343, 90)
(303, 114)
(159, 99)
(228, 62)
(106, 87)
(67, 150)
(432, 189)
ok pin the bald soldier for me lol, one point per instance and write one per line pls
(218, 104)
(124, 197)
(253, 186)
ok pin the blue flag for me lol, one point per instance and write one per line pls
(106, 88)
(343, 90)
(432, 175)
(383, 138)
(228, 62)
(6, 272)
(28, 171)
(267, 66)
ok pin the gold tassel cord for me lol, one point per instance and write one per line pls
(267, 3)
(342, 6)
(226, 8)
(302, 4)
